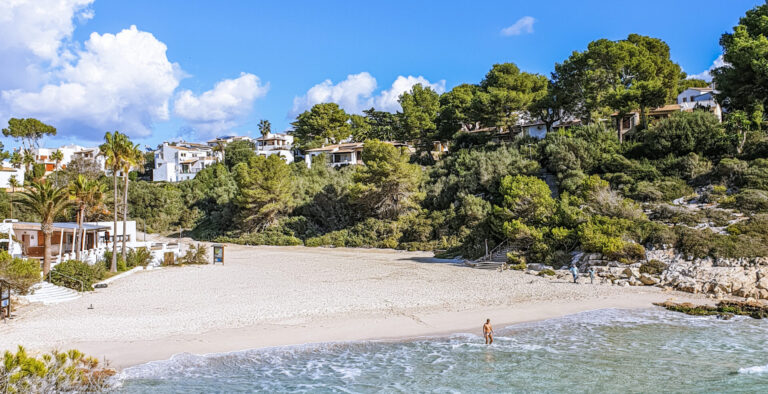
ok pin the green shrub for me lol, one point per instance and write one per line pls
(21, 274)
(55, 372)
(196, 254)
(749, 200)
(139, 257)
(547, 272)
(653, 267)
(69, 272)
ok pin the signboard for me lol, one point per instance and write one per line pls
(218, 254)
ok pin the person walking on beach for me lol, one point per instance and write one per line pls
(488, 332)
(575, 272)
(591, 275)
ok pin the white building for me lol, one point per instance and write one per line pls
(699, 97)
(92, 239)
(180, 161)
(69, 153)
(226, 140)
(338, 154)
(7, 171)
(275, 144)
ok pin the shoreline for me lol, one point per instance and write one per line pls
(280, 296)
(343, 329)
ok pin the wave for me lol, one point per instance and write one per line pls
(756, 370)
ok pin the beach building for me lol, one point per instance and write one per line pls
(25, 239)
(276, 144)
(180, 161)
(7, 171)
(688, 100)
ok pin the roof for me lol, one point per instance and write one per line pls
(329, 148)
(58, 226)
(8, 169)
(706, 89)
(273, 136)
(666, 108)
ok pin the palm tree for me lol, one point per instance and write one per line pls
(47, 202)
(86, 194)
(14, 184)
(28, 159)
(134, 158)
(114, 150)
(57, 157)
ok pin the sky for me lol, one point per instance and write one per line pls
(193, 69)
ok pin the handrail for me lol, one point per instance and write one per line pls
(50, 280)
(494, 250)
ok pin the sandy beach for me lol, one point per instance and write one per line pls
(271, 296)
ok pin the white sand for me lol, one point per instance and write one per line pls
(268, 296)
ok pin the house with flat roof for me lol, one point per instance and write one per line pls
(7, 171)
(180, 161)
(275, 144)
(68, 153)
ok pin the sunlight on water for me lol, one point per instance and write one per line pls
(606, 351)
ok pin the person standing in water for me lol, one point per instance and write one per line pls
(488, 332)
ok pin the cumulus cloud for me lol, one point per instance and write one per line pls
(353, 94)
(117, 81)
(221, 107)
(34, 35)
(707, 75)
(356, 93)
(388, 99)
(523, 25)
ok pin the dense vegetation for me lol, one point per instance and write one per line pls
(582, 188)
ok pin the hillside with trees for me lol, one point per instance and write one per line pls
(687, 181)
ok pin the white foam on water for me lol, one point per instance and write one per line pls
(756, 370)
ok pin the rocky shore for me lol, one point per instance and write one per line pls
(746, 278)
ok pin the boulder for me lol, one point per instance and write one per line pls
(648, 280)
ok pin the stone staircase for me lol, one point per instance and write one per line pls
(495, 258)
(48, 293)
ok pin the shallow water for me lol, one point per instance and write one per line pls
(644, 351)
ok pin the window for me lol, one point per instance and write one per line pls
(685, 99)
(692, 98)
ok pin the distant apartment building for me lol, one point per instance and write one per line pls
(275, 144)
(68, 153)
(226, 140)
(180, 161)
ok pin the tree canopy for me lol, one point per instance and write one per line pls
(743, 80)
(323, 123)
(29, 131)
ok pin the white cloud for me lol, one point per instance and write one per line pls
(707, 75)
(355, 93)
(523, 25)
(39, 26)
(221, 107)
(33, 36)
(388, 99)
(118, 81)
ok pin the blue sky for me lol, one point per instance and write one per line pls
(269, 61)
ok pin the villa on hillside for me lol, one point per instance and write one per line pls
(180, 161)
(350, 153)
(68, 153)
(226, 140)
(275, 144)
(688, 100)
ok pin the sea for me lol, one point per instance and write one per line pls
(614, 351)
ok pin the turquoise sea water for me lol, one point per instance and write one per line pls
(636, 351)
